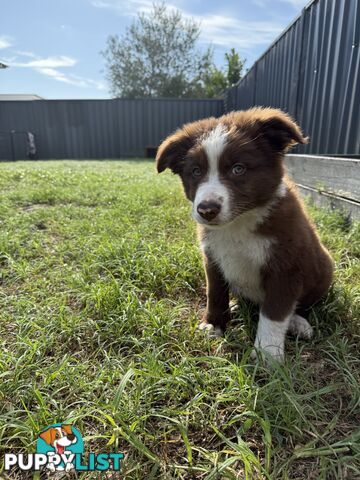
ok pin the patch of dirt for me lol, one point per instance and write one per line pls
(30, 207)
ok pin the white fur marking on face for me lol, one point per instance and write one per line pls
(212, 189)
(270, 336)
(214, 144)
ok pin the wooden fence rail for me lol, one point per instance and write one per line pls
(330, 181)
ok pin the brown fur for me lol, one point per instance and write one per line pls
(217, 292)
(300, 266)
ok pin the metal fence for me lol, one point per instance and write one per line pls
(95, 128)
(313, 72)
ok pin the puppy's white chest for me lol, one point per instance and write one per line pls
(240, 254)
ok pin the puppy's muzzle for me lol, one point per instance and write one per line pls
(208, 210)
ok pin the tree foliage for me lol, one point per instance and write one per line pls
(217, 80)
(235, 67)
(157, 57)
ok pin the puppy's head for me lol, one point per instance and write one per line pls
(231, 164)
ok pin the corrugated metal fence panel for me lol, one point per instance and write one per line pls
(99, 128)
(312, 71)
(329, 96)
(244, 93)
(277, 72)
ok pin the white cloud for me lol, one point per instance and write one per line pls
(218, 29)
(48, 62)
(296, 4)
(5, 41)
(232, 32)
(49, 66)
(128, 7)
(26, 53)
(71, 79)
(122, 5)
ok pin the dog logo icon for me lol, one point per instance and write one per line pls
(60, 442)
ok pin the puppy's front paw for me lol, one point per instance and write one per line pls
(300, 327)
(234, 308)
(210, 329)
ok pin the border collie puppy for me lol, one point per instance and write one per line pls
(256, 238)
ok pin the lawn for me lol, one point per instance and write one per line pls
(101, 291)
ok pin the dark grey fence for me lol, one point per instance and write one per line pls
(95, 128)
(313, 72)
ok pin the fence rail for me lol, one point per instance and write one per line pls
(330, 181)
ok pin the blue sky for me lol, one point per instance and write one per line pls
(53, 46)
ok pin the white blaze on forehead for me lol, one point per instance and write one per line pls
(212, 189)
(214, 144)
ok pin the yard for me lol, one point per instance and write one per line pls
(101, 291)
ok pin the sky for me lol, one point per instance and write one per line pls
(53, 47)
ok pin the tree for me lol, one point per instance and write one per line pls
(235, 66)
(157, 57)
(217, 80)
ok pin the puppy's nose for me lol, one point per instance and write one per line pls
(71, 436)
(208, 210)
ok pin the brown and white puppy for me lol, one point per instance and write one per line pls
(256, 238)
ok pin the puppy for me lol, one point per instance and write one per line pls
(256, 238)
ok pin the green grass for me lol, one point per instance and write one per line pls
(101, 291)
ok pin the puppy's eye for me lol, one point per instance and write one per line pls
(238, 169)
(196, 172)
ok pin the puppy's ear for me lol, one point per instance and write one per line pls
(280, 130)
(172, 152)
(48, 436)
